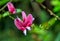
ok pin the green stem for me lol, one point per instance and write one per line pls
(11, 17)
(50, 12)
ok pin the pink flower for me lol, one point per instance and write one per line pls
(25, 23)
(11, 8)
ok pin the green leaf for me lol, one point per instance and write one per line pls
(2, 2)
(37, 30)
(56, 8)
(48, 24)
(18, 10)
(5, 14)
(55, 3)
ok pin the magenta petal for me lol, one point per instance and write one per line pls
(19, 24)
(23, 15)
(30, 19)
(24, 18)
(11, 8)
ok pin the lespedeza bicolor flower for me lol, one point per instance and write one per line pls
(25, 23)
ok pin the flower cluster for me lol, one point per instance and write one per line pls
(25, 23)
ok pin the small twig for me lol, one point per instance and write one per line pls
(4, 6)
(51, 13)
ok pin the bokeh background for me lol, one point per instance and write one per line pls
(46, 27)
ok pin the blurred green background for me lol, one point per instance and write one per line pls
(45, 27)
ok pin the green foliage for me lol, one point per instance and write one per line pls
(41, 15)
(56, 4)
(2, 2)
(18, 10)
(41, 29)
(39, 1)
(6, 14)
(58, 37)
(44, 29)
(42, 34)
(57, 27)
(48, 24)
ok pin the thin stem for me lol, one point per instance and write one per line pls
(4, 6)
(11, 17)
(51, 13)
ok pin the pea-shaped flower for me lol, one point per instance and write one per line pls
(25, 23)
(11, 8)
